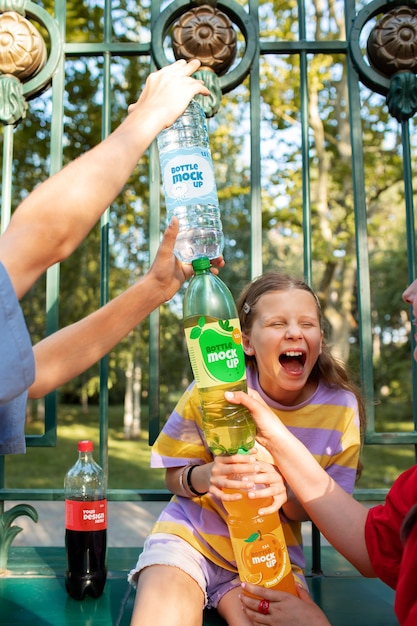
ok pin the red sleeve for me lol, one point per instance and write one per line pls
(406, 594)
(383, 526)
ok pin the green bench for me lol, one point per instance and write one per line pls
(33, 594)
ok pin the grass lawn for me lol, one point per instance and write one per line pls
(383, 463)
(45, 468)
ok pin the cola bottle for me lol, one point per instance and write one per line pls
(85, 526)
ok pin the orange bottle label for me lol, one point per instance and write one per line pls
(262, 559)
(83, 515)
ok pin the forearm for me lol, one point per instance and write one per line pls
(37, 238)
(340, 518)
(71, 350)
(179, 482)
(293, 509)
(51, 222)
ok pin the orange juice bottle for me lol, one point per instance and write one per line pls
(258, 544)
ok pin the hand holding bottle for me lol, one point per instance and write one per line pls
(283, 608)
(244, 473)
(167, 272)
(168, 91)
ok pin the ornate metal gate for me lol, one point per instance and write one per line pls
(311, 119)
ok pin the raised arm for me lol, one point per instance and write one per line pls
(51, 222)
(338, 515)
(88, 340)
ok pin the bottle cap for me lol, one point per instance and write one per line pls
(85, 446)
(202, 263)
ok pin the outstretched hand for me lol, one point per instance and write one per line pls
(268, 426)
(168, 272)
(168, 91)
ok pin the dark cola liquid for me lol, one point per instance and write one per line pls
(86, 563)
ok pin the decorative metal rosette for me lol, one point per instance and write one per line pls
(392, 53)
(22, 49)
(206, 32)
(25, 69)
(392, 44)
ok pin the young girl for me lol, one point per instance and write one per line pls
(188, 557)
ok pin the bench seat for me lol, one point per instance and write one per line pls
(34, 592)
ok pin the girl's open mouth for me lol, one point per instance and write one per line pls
(293, 360)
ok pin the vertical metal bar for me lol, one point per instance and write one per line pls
(307, 247)
(411, 241)
(154, 231)
(104, 245)
(5, 219)
(53, 273)
(315, 550)
(307, 254)
(359, 199)
(7, 177)
(255, 156)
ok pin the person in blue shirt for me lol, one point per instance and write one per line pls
(47, 227)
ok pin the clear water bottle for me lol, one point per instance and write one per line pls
(214, 341)
(190, 187)
(85, 526)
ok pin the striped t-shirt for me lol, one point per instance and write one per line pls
(328, 425)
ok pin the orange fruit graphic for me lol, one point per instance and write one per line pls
(263, 558)
(237, 336)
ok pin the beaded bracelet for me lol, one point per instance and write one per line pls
(190, 487)
(183, 488)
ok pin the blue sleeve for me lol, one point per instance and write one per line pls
(17, 363)
(17, 369)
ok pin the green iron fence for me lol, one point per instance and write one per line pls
(311, 124)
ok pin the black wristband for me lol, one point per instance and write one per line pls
(190, 487)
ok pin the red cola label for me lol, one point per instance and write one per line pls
(82, 515)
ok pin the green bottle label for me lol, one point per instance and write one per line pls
(216, 352)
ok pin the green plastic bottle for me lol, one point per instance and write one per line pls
(214, 342)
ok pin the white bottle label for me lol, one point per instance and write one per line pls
(188, 177)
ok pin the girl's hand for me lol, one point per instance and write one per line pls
(244, 473)
(273, 486)
(233, 472)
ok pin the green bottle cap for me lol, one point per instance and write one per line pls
(202, 263)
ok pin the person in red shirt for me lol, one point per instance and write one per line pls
(385, 544)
